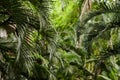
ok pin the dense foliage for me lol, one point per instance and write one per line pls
(59, 40)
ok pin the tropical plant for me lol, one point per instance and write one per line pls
(24, 23)
(99, 31)
(59, 40)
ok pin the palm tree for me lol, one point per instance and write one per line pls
(24, 26)
(38, 40)
(100, 30)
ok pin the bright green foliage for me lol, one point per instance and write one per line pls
(61, 13)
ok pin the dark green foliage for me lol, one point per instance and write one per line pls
(46, 40)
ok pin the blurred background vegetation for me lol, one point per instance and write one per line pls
(59, 40)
